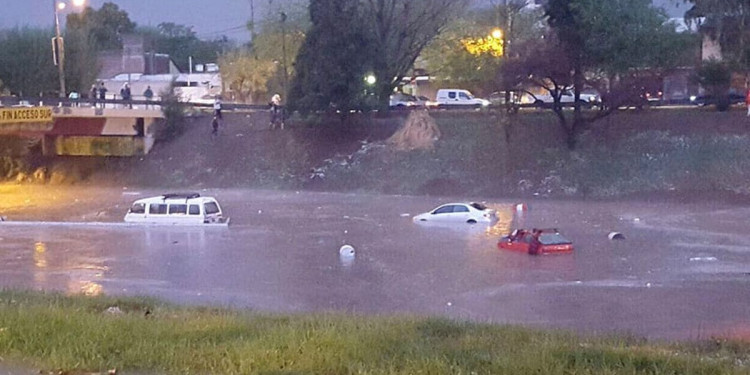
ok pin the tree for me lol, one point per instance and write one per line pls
(26, 61)
(447, 55)
(591, 42)
(353, 39)
(105, 25)
(283, 30)
(728, 22)
(252, 72)
(181, 43)
(333, 60)
(400, 29)
(82, 65)
(715, 76)
(246, 75)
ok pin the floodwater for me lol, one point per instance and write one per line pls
(682, 271)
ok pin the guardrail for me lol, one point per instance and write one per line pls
(114, 103)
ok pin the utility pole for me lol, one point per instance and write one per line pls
(252, 21)
(283, 52)
(59, 51)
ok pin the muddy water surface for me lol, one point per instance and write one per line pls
(683, 270)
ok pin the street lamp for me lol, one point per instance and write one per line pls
(58, 45)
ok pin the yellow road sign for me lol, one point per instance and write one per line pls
(25, 115)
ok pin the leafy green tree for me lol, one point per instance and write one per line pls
(246, 75)
(283, 30)
(181, 43)
(333, 60)
(26, 61)
(105, 25)
(605, 39)
(727, 21)
(447, 57)
(255, 71)
(82, 65)
(351, 39)
(716, 76)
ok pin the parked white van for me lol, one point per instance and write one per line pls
(177, 209)
(459, 97)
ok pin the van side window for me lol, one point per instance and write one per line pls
(177, 209)
(463, 95)
(138, 208)
(452, 94)
(194, 209)
(211, 208)
(157, 209)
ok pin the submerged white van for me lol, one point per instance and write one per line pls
(177, 209)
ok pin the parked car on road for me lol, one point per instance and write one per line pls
(401, 100)
(471, 213)
(459, 97)
(536, 242)
(706, 99)
(423, 101)
(567, 98)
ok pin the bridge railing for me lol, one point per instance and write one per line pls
(10, 101)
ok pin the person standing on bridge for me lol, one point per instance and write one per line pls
(148, 94)
(102, 93)
(92, 95)
(125, 93)
(747, 101)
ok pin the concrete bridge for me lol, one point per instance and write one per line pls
(84, 131)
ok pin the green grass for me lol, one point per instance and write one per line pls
(51, 331)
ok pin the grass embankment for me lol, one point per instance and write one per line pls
(78, 333)
(676, 151)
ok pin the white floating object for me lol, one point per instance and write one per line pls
(522, 207)
(637, 219)
(616, 236)
(346, 251)
(449, 304)
(405, 215)
(703, 259)
(115, 310)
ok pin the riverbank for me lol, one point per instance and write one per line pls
(679, 152)
(80, 334)
(687, 153)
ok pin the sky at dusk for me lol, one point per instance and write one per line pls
(209, 18)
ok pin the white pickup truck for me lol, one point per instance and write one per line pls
(567, 97)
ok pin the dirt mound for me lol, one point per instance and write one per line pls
(419, 132)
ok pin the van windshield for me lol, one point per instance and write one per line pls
(138, 208)
(211, 208)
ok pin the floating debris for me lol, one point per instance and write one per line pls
(616, 236)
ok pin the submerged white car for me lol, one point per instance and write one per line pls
(177, 209)
(471, 213)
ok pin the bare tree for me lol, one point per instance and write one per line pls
(401, 29)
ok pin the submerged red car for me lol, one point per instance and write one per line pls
(536, 242)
